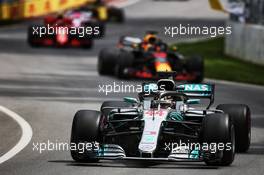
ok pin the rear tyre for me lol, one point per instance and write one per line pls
(112, 104)
(100, 29)
(218, 129)
(125, 61)
(107, 61)
(195, 64)
(87, 44)
(31, 36)
(86, 41)
(85, 129)
(116, 14)
(241, 117)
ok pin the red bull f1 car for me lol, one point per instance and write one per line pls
(145, 58)
(163, 124)
(72, 29)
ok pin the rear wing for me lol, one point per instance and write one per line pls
(198, 91)
(236, 7)
(216, 5)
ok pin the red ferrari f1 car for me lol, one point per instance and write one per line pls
(73, 29)
(137, 58)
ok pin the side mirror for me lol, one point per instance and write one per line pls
(193, 101)
(130, 100)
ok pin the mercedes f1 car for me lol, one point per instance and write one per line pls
(137, 58)
(163, 124)
(73, 28)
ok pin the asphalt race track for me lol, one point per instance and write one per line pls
(46, 86)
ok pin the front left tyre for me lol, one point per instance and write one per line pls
(218, 129)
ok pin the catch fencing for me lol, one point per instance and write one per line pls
(247, 39)
(254, 11)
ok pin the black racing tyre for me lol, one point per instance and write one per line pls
(101, 29)
(218, 129)
(116, 14)
(31, 36)
(125, 60)
(98, 29)
(87, 44)
(195, 64)
(114, 104)
(107, 61)
(241, 117)
(85, 129)
(176, 61)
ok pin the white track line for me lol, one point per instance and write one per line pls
(25, 138)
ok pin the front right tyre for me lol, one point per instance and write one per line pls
(85, 130)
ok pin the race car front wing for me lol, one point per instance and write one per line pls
(116, 152)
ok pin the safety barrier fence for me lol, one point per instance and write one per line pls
(254, 11)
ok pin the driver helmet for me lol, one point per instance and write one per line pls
(150, 39)
(149, 42)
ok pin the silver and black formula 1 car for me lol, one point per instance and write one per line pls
(162, 124)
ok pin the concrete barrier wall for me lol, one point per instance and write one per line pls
(246, 42)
